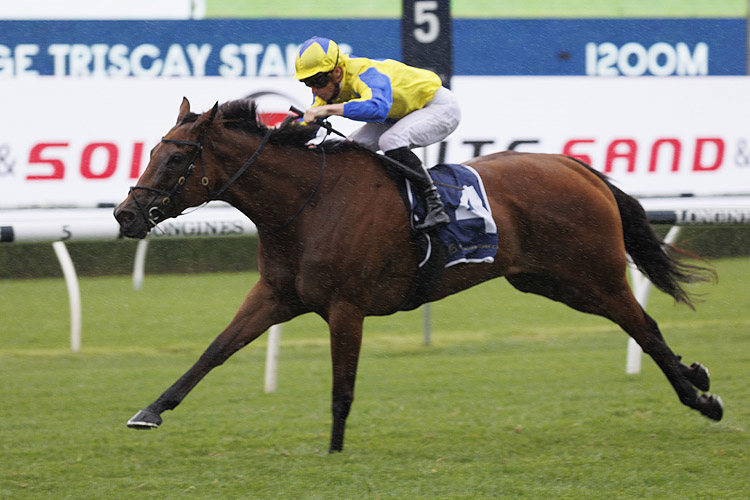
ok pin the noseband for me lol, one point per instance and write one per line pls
(155, 213)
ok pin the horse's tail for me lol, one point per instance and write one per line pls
(659, 261)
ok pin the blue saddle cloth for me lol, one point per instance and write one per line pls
(471, 235)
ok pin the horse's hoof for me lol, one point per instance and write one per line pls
(699, 377)
(145, 419)
(711, 406)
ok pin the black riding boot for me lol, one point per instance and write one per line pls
(436, 216)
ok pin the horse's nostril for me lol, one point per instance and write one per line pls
(123, 216)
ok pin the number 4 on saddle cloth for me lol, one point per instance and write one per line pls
(471, 236)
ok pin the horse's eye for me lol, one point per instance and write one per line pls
(176, 158)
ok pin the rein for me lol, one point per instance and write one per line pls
(155, 214)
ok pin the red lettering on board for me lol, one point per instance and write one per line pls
(676, 150)
(135, 164)
(625, 149)
(88, 151)
(698, 164)
(568, 149)
(35, 157)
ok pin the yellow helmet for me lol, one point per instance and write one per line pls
(316, 55)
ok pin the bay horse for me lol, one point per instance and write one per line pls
(335, 239)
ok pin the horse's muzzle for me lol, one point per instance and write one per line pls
(132, 223)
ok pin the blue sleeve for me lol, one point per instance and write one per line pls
(375, 106)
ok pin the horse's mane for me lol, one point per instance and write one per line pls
(242, 115)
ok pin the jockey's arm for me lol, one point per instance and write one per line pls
(315, 112)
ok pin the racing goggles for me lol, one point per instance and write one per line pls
(318, 80)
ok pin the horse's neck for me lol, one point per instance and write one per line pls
(277, 185)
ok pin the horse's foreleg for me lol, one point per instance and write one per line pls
(258, 312)
(345, 323)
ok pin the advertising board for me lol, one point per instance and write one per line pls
(235, 48)
(653, 136)
(83, 102)
(83, 142)
(96, 9)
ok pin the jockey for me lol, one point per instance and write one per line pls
(403, 106)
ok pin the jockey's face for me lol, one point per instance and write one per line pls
(331, 89)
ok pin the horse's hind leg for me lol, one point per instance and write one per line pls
(683, 378)
(697, 374)
(258, 312)
(618, 304)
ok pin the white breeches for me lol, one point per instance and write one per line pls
(429, 125)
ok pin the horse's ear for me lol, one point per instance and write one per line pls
(184, 109)
(206, 118)
(214, 110)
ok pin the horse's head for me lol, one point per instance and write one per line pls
(169, 184)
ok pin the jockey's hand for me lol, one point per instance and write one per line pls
(322, 112)
(312, 114)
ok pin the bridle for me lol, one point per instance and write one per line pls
(155, 213)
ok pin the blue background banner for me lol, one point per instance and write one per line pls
(607, 47)
(558, 47)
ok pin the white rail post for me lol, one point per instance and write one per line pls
(426, 324)
(74, 293)
(272, 358)
(139, 266)
(642, 291)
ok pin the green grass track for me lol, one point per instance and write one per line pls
(518, 397)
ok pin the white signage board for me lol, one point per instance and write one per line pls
(68, 142)
(102, 9)
(83, 141)
(653, 136)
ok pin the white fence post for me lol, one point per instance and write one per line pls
(426, 324)
(139, 266)
(74, 293)
(272, 358)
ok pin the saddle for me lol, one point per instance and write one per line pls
(470, 237)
